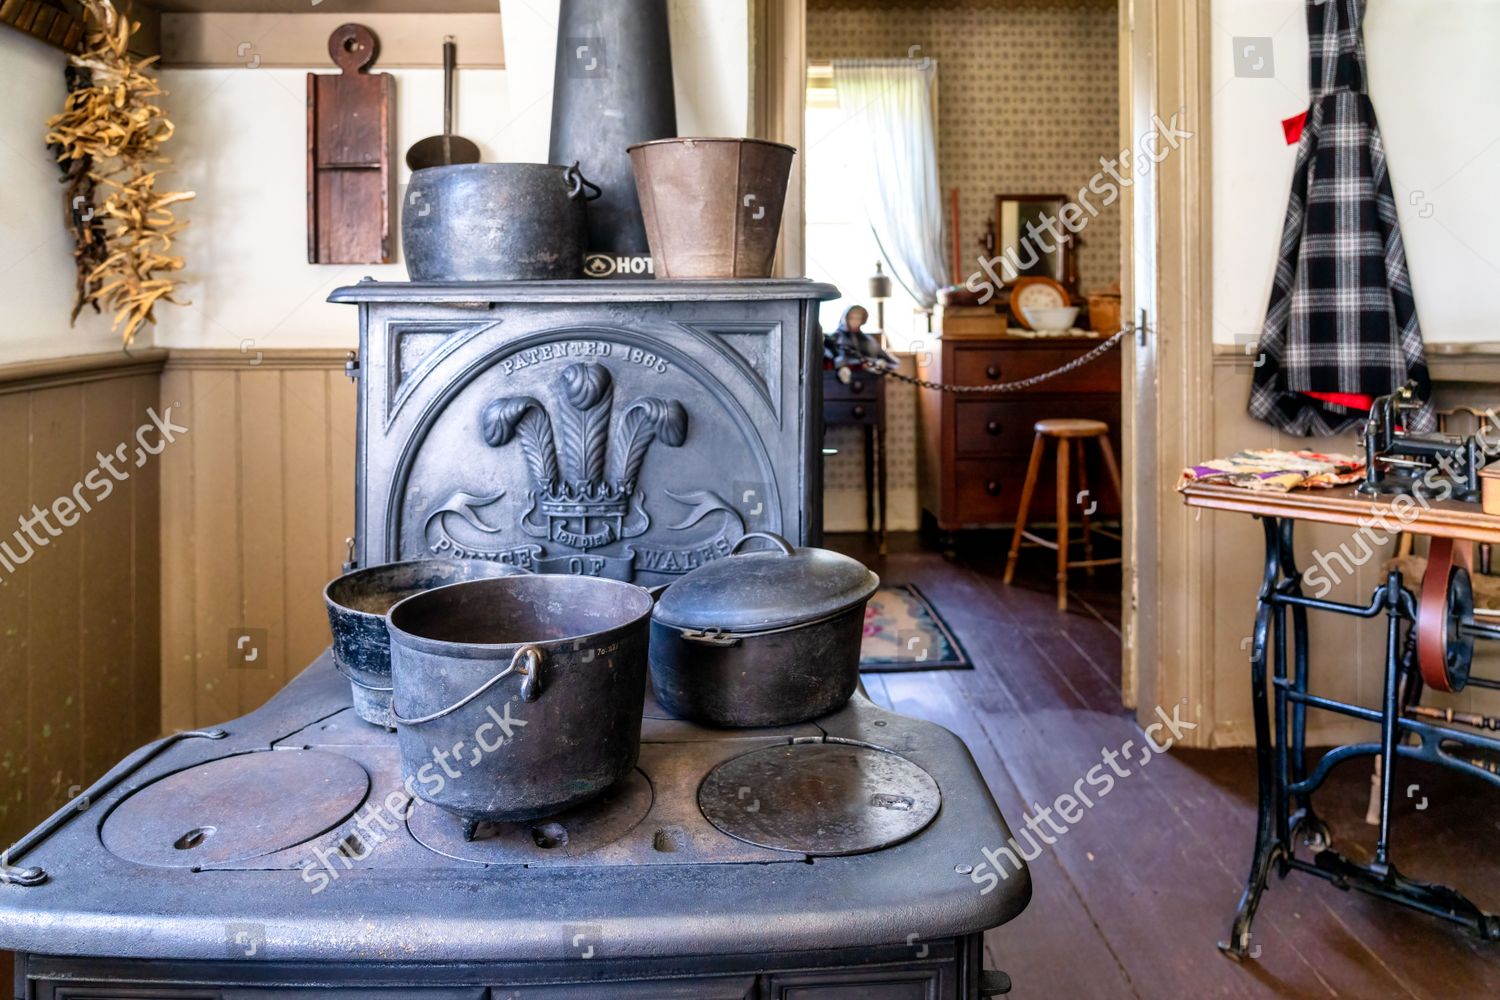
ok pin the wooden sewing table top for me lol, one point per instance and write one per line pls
(1343, 505)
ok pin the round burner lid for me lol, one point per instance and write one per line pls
(236, 808)
(557, 839)
(822, 799)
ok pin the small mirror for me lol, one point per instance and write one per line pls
(1027, 243)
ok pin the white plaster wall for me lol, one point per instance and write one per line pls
(36, 262)
(241, 146)
(1431, 79)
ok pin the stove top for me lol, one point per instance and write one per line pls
(331, 795)
(833, 833)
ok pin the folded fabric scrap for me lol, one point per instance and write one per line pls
(1276, 471)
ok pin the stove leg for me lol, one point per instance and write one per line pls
(1267, 846)
(471, 828)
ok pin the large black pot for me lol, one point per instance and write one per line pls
(495, 222)
(519, 697)
(766, 638)
(357, 603)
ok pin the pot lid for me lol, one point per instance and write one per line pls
(766, 588)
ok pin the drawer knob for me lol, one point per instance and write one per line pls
(993, 371)
(857, 386)
(859, 411)
(992, 488)
(993, 427)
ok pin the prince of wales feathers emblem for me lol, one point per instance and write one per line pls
(584, 507)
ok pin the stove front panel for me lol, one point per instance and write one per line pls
(632, 440)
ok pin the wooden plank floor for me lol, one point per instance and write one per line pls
(1131, 900)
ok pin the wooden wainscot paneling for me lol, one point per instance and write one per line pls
(79, 654)
(256, 510)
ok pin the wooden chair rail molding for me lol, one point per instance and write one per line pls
(29, 376)
(1448, 362)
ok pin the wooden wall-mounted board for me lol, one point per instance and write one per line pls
(192, 40)
(349, 137)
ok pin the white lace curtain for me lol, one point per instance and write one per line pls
(889, 103)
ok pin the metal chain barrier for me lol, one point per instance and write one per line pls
(1015, 386)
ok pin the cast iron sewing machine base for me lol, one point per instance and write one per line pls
(1285, 811)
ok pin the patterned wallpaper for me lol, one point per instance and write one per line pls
(1028, 100)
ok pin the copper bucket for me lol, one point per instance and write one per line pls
(712, 206)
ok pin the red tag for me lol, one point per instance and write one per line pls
(1293, 128)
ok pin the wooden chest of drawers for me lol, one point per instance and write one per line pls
(974, 447)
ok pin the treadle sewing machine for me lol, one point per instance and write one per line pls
(1398, 461)
(1417, 484)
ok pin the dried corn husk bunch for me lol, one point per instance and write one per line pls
(108, 140)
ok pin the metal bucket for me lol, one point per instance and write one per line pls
(495, 222)
(712, 206)
(520, 697)
(357, 603)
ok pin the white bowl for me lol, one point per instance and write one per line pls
(1050, 320)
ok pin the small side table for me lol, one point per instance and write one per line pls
(861, 402)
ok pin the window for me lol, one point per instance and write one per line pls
(841, 248)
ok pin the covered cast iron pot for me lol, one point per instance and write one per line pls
(519, 697)
(764, 638)
(495, 222)
(357, 603)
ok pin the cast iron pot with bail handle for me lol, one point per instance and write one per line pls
(763, 638)
(521, 696)
(496, 222)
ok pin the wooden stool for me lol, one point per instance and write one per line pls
(1066, 432)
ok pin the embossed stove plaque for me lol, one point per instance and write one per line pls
(585, 456)
(630, 429)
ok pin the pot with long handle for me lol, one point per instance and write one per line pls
(521, 696)
(763, 638)
(443, 150)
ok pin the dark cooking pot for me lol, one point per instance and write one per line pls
(519, 697)
(495, 222)
(357, 603)
(765, 638)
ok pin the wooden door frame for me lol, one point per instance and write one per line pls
(778, 94)
(1165, 69)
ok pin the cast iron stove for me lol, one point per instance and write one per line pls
(282, 856)
(831, 859)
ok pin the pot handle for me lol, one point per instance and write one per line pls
(785, 546)
(352, 679)
(531, 687)
(576, 183)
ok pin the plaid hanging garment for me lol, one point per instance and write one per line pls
(1341, 321)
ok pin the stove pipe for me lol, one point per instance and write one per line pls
(612, 88)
